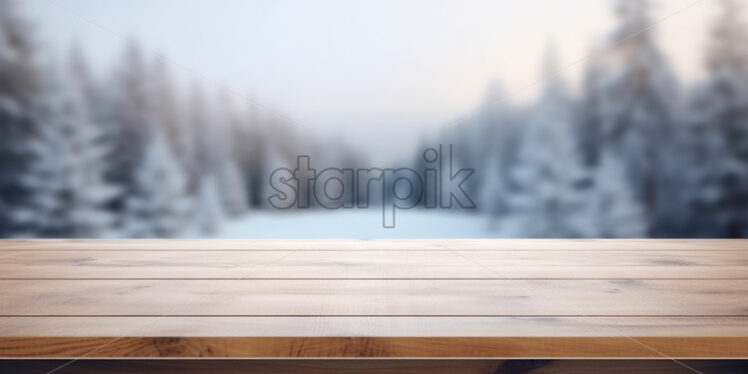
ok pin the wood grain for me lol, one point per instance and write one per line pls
(362, 326)
(368, 264)
(595, 245)
(374, 299)
(370, 347)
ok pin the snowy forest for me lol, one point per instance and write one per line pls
(635, 153)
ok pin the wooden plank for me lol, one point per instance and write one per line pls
(6, 254)
(630, 264)
(374, 297)
(364, 326)
(381, 347)
(374, 244)
(376, 265)
(123, 264)
(622, 258)
(228, 264)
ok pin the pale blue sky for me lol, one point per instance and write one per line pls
(386, 68)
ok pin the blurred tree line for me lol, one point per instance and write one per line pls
(633, 154)
(125, 155)
(130, 154)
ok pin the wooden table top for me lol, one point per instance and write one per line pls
(374, 298)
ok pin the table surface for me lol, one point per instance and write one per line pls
(374, 298)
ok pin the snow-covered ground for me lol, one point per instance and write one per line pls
(359, 224)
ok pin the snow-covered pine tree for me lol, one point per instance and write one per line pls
(492, 199)
(167, 110)
(548, 199)
(89, 87)
(209, 212)
(132, 117)
(92, 145)
(636, 94)
(223, 146)
(719, 147)
(19, 76)
(483, 134)
(495, 130)
(158, 205)
(168, 115)
(611, 210)
(68, 194)
(488, 142)
(253, 154)
(589, 111)
(233, 191)
(197, 126)
(44, 213)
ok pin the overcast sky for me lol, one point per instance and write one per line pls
(373, 69)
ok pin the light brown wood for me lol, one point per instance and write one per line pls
(374, 298)
(595, 245)
(290, 297)
(505, 327)
(371, 347)
(369, 264)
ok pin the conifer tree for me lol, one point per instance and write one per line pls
(19, 83)
(158, 205)
(68, 193)
(132, 117)
(548, 198)
(719, 146)
(635, 95)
